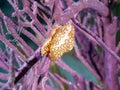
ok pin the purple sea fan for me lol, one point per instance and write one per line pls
(25, 30)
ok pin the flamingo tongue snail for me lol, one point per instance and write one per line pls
(60, 41)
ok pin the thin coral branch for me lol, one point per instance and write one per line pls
(66, 67)
(36, 22)
(85, 62)
(58, 82)
(60, 62)
(65, 81)
(10, 83)
(50, 88)
(80, 82)
(2, 64)
(4, 76)
(92, 36)
(65, 4)
(14, 4)
(117, 48)
(3, 60)
(44, 73)
(42, 7)
(100, 26)
(36, 71)
(1, 83)
(12, 46)
(23, 31)
(72, 11)
(34, 7)
(29, 63)
(1, 27)
(32, 37)
(24, 46)
(11, 69)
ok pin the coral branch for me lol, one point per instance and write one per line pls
(58, 82)
(4, 76)
(79, 6)
(3, 60)
(24, 47)
(12, 46)
(92, 36)
(117, 48)
(95, 46)
(85, 62)
(29, 63)
(65, 81)
(11, 70)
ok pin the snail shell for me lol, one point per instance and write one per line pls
(61, 40)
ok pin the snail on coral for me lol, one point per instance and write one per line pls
(61, 40)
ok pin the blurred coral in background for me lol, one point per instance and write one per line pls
(93, 62)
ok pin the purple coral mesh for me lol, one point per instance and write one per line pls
(33, 70)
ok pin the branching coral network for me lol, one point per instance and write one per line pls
(29, 25)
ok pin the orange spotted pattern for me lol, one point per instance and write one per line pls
(61, 40)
